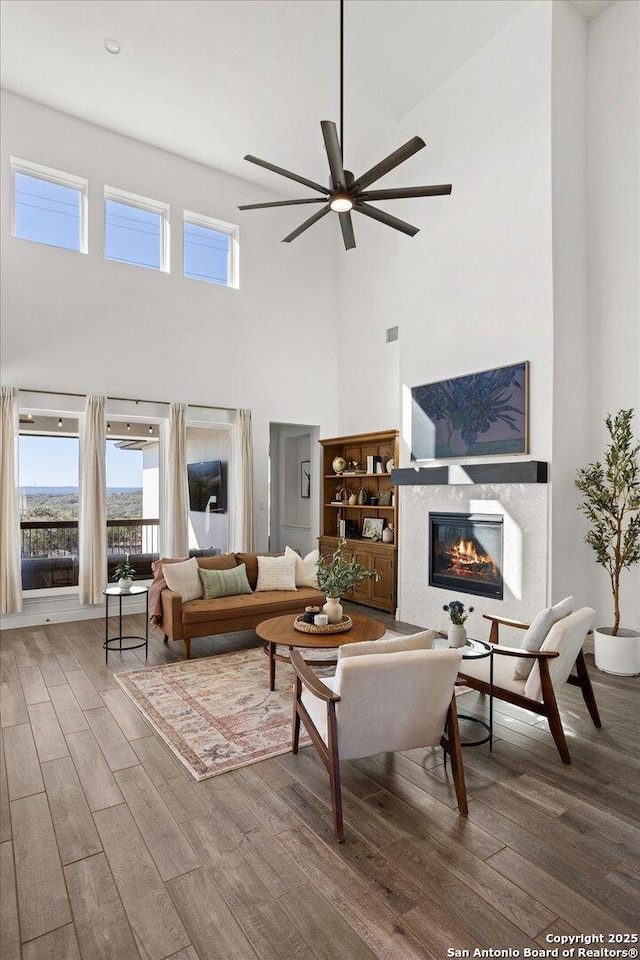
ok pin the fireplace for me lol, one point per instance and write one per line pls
(465, 553)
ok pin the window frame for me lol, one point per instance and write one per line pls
(151, 206)
(220, 226)
(51, 175)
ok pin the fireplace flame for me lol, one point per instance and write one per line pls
(465, 555)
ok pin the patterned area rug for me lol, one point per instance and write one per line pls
(217, 713)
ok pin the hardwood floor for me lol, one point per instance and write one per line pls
(109, 850)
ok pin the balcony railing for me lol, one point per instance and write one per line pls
(49, 549)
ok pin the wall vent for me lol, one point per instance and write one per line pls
(392, 334)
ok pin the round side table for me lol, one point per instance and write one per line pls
(110, 642)
(475, 650)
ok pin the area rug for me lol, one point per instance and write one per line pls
(216, 713)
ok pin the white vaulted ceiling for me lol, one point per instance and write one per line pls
(214, 79)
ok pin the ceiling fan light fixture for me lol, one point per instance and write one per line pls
(341, 203)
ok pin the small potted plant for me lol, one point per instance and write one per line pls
(337, 575)
(611, 502)
(457, 614)
(124, 573)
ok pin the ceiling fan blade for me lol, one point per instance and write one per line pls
(287, 173)
(334, 153)
(346, 225)
(389, 163)
(280, 203)
(401, 193)
(307, 223)
(390, 221)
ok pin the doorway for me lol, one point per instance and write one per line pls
(294, 510)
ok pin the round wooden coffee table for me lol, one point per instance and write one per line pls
(280, 631)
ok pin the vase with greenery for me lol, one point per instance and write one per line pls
(124, 573)
(611, 503)
(457, 632)
(339, 574)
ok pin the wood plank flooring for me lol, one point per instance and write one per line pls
(109, 850)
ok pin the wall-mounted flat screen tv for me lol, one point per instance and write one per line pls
(207, 487)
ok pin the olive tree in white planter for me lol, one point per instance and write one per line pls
(611, 503)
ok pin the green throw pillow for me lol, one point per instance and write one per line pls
(224, 583)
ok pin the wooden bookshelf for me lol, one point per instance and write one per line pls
(382, 557)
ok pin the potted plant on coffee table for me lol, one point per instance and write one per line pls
(337, 575)
(124, 573)
(611, 502)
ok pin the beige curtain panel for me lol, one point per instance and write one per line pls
(242, 535)
(92, 516)
(10, 566)
(175, 534)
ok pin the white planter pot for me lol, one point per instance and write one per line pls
(620, 654)
(125, 583)
(333, 609)
(457, 635)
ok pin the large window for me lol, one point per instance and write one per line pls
(210, 250)
(49, 206)
(132, 473)
(136, 230)
(49, 506)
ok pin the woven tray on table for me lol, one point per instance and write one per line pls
(345, 624)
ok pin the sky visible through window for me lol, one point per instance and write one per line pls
(132, 235)
(47, 212)
(54, 462)
(206, 254)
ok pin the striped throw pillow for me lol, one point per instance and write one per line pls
(224, 583)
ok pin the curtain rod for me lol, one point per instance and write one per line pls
(165, 403)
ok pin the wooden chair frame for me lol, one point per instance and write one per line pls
(329, 752)
(548, 707)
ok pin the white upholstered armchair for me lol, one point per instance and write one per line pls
(386, 695)
(529, 677)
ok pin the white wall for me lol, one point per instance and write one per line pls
(82, 323)
(571, 571)
(473, 289)
(613, 165)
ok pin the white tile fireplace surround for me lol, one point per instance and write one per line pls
(524, 507)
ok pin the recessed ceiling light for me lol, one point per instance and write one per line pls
(112, 46)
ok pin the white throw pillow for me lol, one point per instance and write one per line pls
(276, 573)
(184, 579)
(537, 634)
(306, 568)
(416, 641)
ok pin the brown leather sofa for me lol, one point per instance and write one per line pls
(202, 618)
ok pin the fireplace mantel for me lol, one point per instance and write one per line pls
(515, 471)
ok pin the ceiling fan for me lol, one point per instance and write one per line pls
(347, 193)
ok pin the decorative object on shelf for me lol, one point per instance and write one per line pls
(337, 575)
(478, 415)
(372, 528)
(347, 529)
(325, 627)
(611, 503)
(339, 464)
(373, 461)
(390, 465)
(457, 614)
(353, 500)
(305, 479)
(342, 494)
(384, 500)
(124, 573)
(363, 496)
(373, 501)
(346, 192)
(387, 534)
